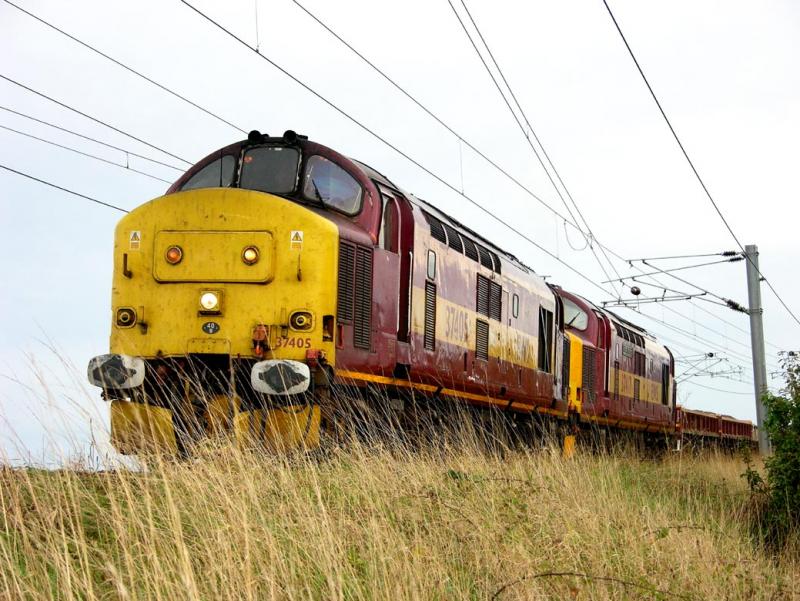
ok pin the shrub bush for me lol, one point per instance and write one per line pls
(779, 493)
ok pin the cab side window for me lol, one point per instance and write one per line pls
(390, 230)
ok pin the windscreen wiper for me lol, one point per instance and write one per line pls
(317, 193)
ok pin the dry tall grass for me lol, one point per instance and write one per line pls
(383, 523)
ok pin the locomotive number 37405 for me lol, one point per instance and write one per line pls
(293, 342)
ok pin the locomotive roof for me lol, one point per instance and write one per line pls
(628, 324)
(441, 215)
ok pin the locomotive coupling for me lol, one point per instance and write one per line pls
(116, 371)
(280, 377)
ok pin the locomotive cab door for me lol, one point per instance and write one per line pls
(392, 277)
(386, 281)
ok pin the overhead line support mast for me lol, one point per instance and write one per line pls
(757, 342)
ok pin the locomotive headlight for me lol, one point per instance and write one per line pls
(250, 255)
(174, 255)
(301, 320)
(210, 301)
(126, 317)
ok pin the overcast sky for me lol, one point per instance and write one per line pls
(727, 74)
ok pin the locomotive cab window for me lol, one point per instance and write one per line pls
(217, 174)
(545, 340)
(574, 316)
(387, 238)
(270, 169)
(324, 181)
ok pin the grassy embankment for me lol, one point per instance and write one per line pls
(373, 524)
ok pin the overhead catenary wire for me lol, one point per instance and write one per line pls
(204, 110)
(674, 343)
(533, 133)
(733, 325)
(683, 281)
(693, 383)
(392, 146)
(438, 119)
(383, 140)
(95, 119)
(382, 73)
(682, 268)
(67, 190)
(694, 336)
(85, 154)
(165, 88)
(659, 284)
(118, 208)
(691, 164)
(726, 253)
(717, 346)
(633, 304)
(722, 335)
(592, 237)
(95, 140)
(126, 67)
(711, 344)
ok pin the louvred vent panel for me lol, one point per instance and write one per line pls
(362, 314)
(482, 340)
(437, 229)
(347, 265)
(430, 316)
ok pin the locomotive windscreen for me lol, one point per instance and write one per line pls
(219, 173)
(270, 169)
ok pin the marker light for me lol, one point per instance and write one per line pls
(174, 255)
(250, 255)
(209, 301)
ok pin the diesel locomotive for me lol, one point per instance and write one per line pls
(277, 269)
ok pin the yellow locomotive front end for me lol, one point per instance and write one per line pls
(223, 307)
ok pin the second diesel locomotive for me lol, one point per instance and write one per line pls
(276, 268)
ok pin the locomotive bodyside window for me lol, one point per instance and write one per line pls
(270, 169)
(217, 174)
(326, 182)
(431, 265)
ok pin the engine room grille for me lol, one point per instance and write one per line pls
(486, 258)
(588, 380)
(347, 265)
(482, 302)
(459, 241)
(495, 300)
(489, 301)
(481, 340)
(429, 334)
(470, 249)
(362, 317)
(453, 239)
(437, 229)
